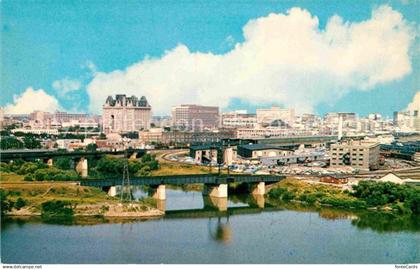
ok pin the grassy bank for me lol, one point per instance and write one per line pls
(64, 199)
(172, 168)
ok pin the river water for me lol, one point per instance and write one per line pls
(199, 230)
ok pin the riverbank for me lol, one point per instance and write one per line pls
(367, 195)
(30, 199)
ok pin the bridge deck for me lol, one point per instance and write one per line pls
(185, 179)
(7, 155)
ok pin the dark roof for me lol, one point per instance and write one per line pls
(262, 147)
(124, 100)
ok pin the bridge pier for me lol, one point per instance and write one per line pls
(257, 188)
(161, 205)
(82, 167)
(159, 192)
(219, 190)
(133, 156)
(258, 200)
(110, 190)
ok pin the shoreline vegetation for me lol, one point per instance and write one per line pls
(367, 195)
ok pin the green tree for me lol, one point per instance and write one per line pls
(10, 142)
(91, 147)
(6, 204)
(31, 142)
(63, 163)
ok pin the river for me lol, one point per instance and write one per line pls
(196, 231)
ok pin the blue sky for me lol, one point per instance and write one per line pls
(47, 41)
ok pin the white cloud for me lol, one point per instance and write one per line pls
(285, 58)
(31, 100)
(415, 104)
(66, 86)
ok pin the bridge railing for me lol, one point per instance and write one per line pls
(185, 179)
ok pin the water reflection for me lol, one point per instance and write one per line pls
(192, 204)
(220, 229)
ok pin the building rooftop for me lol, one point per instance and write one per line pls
(262, 147)
(123, 100)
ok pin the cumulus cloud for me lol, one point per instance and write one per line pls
(415, 104)
(284, 58)
(66, 85)
(31, 100)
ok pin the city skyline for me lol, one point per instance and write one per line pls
(68, 77)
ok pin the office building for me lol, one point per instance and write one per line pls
(195, 117)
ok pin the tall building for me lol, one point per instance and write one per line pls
(416, 120)
(195, 117)
(268, 115)
(402, 118)
(126, 114)
(363, 155)
(40, 119)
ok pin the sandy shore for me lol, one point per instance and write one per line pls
(113, 210)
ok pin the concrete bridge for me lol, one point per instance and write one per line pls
(215, 185)
(80, 157)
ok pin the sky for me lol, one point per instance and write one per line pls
(314, 56)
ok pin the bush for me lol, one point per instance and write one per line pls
(20, 203)
(311, 199)
(28, 178)
(27, 168)
(6, 204)
(4, 167)
(287, 196)
(63, 163)
(303, 197)
(276, 193)
(55, 174)
(144, 171)
(414, 203)
(56, 209)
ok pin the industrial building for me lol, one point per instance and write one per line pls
(363, 155)
(293, 157)
(254, 151)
